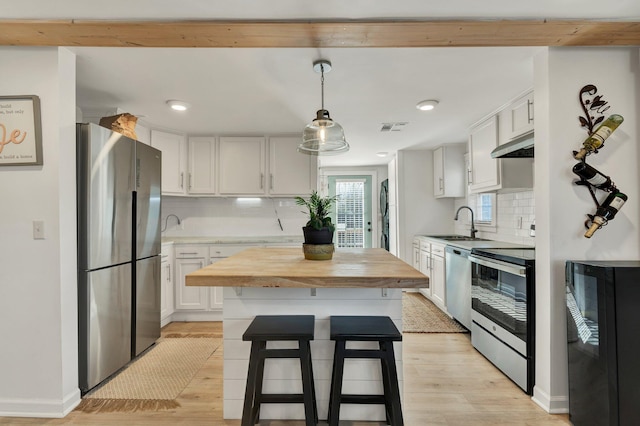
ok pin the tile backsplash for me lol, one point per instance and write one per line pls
(237, 217)
(515, 212)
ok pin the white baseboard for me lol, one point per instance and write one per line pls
(552, 405)
(41, 408)
(196, 316)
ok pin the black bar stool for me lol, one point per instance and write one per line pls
(265, 328)
(365, 329)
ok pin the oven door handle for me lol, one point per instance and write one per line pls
(500, 266)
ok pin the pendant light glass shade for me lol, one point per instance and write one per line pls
(323, 136)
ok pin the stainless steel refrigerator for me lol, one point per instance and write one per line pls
(118, 187)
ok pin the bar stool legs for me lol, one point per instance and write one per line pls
(308, 388)
(382, 331)
(390, 375)
(279, 328)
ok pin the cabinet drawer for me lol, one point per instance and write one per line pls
(226, 250)
(425, 246)
(191, 252)
(437, 250)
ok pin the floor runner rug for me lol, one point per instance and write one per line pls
(156, 379)
(420, 315)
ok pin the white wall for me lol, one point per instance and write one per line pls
(38, 360)
(419, 213)
(561, 206)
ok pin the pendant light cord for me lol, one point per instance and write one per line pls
(322, 85)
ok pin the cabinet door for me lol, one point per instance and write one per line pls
(215, 293)
(241, 164)
(143, 134)
(202, 165)
(485, 171)
(416, 256)
(521, 116)
(438, 172)
(190, 298)
(437, 282)
(166, 295)
(425, 268)
(290, 172)
(174, 161)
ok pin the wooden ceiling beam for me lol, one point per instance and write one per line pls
(397, 33)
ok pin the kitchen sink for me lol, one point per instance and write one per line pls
(456, 238)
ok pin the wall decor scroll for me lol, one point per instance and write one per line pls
(594, 107)
(20, 131)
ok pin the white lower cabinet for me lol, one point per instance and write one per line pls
(199, 303)
(437, 277)
(425, 266)
(216, 253)
(416, 253)
(166, 284)
(428, 257)
(190, 259)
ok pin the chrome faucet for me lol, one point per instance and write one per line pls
(473, 228)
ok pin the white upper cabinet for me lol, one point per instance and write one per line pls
(484, 171)
(520, 116)
(513, 120)
(234, 165)
(448, 171)
(174, 161)
(290, 172)
(241, 164)
(202, 157)
(143, 134)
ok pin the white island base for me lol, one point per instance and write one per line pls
(361, 376)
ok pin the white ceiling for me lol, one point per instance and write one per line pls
(266, 91)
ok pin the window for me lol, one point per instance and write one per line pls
(484, 207)
(350, 213)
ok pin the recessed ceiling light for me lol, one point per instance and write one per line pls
(427, 105)
(382, 153)
(178, 105)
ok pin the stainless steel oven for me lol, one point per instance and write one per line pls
(503, 310)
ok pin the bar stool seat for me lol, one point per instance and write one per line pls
(267, 328)
(379, 329)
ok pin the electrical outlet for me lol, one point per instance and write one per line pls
(38, 230)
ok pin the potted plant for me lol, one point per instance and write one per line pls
(318, 232)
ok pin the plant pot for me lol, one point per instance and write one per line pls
(318, 251)
(315, 236)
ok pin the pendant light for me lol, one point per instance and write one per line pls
(323, 136)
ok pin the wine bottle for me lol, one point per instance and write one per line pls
(606, 212)
(593, 176)
(597, 138)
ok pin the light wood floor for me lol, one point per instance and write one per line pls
(446, 383)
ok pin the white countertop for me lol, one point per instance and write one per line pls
(275, 239)
(468, 245)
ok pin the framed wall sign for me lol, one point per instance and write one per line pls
(20, 131)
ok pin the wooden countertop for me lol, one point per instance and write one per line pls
(287, 267)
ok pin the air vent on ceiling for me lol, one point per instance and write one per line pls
(393, 127)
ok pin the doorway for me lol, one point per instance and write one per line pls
(353, 215)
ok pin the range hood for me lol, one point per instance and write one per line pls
(518, 148)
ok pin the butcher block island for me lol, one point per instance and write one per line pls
(280, 281)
